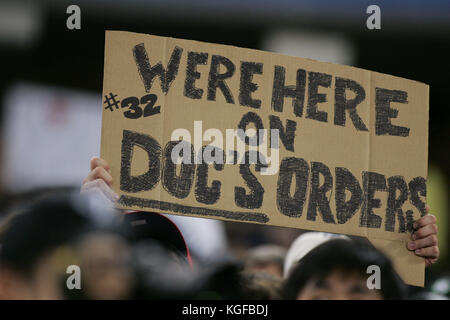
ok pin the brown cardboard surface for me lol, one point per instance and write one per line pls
(408, 265)
(325, 144)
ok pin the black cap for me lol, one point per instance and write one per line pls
(151, 225)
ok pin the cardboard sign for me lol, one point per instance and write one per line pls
(214, 131)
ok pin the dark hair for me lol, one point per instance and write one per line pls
(352, 256)
(141, 226)
(42, 227)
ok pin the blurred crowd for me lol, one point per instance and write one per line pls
(67, 245)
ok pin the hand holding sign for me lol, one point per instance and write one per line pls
(349, 146)
(424, 240)
(99, 181)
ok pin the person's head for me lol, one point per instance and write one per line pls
(338, 269)
(261, 286)
(266, 258)
(36, 246)
(106, 264)
(304, 244)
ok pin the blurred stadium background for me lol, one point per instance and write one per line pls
(48, 72)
